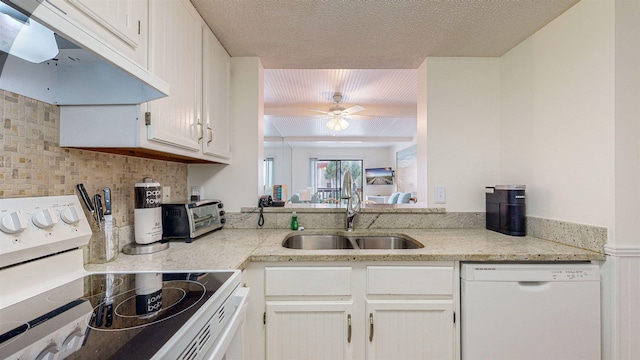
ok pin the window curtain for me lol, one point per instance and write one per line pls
(313, 174)
(268, 175)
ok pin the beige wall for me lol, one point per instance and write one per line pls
(627, 123)
(462, 129)
(33, 164)
(558, 116)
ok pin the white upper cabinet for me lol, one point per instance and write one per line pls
(189, 125)
(175, 55)
(184, 52)
(216, 71)
(122, 24)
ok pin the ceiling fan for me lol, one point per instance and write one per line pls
(340, 115)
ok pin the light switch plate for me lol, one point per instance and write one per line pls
(166, 194)
(440, 195)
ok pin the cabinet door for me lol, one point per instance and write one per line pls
(124, 20)
(309, 330)
(175, 49)
(215, 100)
(409, 329)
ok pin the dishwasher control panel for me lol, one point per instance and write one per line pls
(572, 274)
(530, 272)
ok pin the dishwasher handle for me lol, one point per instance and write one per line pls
(534, 286)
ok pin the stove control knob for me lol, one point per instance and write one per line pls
(44, 218)
(48, 353)
(73, 342)
(13, 222)
(70, 215)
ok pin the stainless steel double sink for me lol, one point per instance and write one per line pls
(347, 241)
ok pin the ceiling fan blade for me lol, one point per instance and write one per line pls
(320, 111)
(358, 117)
(353, 109)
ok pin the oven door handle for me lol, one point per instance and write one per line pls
(239, 299)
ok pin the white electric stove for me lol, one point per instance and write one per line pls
(51, 308)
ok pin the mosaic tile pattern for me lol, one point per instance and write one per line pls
(32, 163)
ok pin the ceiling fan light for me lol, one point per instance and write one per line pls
(337, 124)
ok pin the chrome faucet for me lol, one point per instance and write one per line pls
(352, 209)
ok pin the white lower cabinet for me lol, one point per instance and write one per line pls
(309, 330)
(354, 311)
(410, 329)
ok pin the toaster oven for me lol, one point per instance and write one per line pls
(188, 220)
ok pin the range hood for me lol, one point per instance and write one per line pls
(85, 70)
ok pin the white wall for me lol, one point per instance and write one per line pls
(558, 116)
(463, 129)
(281, 154)
(371, 157)
(627, 123)
(401, 146)
(239, 183)
(571, 128)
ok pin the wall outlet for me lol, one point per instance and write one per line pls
(166, 194)
(440, 195)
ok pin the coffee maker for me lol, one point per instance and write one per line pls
(506, 212)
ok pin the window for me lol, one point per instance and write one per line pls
(327, 175)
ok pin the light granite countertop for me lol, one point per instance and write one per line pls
(234, 248)
(220, 250)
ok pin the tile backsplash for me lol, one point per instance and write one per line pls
(32, 163)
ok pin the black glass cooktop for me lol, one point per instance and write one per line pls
(106, 316)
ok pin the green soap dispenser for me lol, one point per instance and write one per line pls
(294, 221)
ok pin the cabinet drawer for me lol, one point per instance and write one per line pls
(305, 281)
(409, 280)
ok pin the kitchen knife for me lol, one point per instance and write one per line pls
(108, 224)
(100, 314)
(108, 300)
(97, 200)
(107, 202)
(87, 201)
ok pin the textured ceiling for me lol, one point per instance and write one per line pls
(336, 34)
(297, 39)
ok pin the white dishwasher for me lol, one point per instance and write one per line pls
(530, 311)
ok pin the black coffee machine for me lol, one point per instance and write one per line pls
(506, 209)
